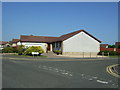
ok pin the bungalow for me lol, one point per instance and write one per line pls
(43, 41)
(15, 42)
(3, 44)
(103, 45)
(72, 43)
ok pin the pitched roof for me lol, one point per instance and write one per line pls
(66, 36)
(10, 42)
(45, 39)
(31, 38)
(3, 42)
(103, 45)
(15, 40)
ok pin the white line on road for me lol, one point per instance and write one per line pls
(104, 82)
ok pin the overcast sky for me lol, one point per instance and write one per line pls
(54, 19)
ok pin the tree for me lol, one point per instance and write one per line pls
(111, 46)
(118, 46)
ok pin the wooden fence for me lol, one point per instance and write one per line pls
(110, 49)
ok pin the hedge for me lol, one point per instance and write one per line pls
(9, 50)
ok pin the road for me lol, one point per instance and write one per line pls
(57, 73)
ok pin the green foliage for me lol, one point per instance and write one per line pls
(15, 50)
(31, 49)
(111, 46)
(8, 50)
(118, 46)
(57, 51)
(21, 49)
(110, 53)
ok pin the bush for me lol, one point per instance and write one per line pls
(31, 49)
(57, 52)
(21, 49)
(8, 50)
(110, 53)
(15, 50)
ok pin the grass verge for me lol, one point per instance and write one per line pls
(115, 56)
(30, 56)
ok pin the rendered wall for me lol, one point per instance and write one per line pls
(81, 42)
(28, 44)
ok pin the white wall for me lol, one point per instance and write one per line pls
(14, 44)
(81, 42)
(19, 43)
(28, 44)
(1, 47)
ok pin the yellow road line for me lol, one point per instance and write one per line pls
(109, 70)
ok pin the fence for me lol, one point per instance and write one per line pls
(110, 49)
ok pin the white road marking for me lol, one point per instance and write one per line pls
(70, 75)
(104, 82)
(95, 77)
(90, 79)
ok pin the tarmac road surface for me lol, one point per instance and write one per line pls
(45, 73)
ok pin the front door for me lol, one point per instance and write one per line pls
(48, 48)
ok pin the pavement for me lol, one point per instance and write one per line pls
(53, 55)
(114, 70)
(29, 72)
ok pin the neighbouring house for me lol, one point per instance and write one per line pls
(117, 44)
(72, 43)
(15, 42)
(3, 44)
(43, 41)
(103, 45)
(115, 47)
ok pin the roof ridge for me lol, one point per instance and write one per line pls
(55, 39)
(36, 36)
(74, 32)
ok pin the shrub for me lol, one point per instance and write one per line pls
(57, 52)
(15, 50)
(21, 49)
(31, 49)
(8, 50)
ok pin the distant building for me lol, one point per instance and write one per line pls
(117, 44)
(3, 44)
(104, 45)
(15, 42)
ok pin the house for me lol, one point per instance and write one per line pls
(117, 44)
(15, 42)
(43, 41)
(103, 45)
(77, 42)
(3, 44)
(72, 43)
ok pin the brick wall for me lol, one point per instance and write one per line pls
(109, 49)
